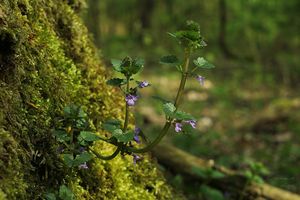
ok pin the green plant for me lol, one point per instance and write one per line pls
(64, 193)
(75, 132)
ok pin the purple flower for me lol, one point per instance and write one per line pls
(200, 79)
(178, 127)
(136, 135)
(81, 149)
(131, 99)
(136, 158)
(83, 166)
(192, 123)
(143, 84)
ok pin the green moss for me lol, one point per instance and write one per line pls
(12, 183)
(51, 62)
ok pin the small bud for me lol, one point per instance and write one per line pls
(143, 84)
(83, 166)
(192, 123)
(136, 158)
(200, 79)
(136, 135)
(178, 127)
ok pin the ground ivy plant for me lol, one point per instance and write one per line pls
(75, 132)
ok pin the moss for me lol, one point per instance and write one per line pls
(51, 62)
(12, 183)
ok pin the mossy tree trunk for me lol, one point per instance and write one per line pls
(47, 61)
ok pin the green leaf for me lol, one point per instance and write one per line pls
(180, 115)
(248, 174)
(65, 193)
(83, 142)
(68, 159)
(61, 135)
(82, 158)
(50, 196)
(169, 109)
(203, 173)
(258, 179)
(202, 63)
(123, 137)
(111, 125)
(73, 111)
(81, 113)
(188, 35)
(136, 66)
(169, 60)
(139, 62)
(116, 82)
(89, 136)
(216, 174)
(114, 122)
(187, 129)
(116, 63)
(208, 173)
(211, 193)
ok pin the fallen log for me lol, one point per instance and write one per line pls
(182, 162)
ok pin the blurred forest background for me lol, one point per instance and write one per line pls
(249, 106)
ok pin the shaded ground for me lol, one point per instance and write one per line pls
(236, 124)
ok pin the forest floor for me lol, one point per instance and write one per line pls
(236, 124)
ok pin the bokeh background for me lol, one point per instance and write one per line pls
(249, 108)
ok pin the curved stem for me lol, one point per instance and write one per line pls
(153, 143)
(106, 157)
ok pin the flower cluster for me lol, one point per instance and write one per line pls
(131, 99)
(178, 126)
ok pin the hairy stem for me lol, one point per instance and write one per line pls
(127, 107)
(183, 78)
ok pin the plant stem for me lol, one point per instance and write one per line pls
(168, 123)
(183, 78)
(152, 144)
(127, 107)
(106, 157)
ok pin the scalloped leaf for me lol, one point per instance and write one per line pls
(169, 60)
(169, 109)
(116, 82)
(202, 63)
(123, 137)
(89, 136)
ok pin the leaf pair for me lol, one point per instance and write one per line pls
(200, 62)
(64, 193)
(114, 127)
(85, 138)
(78, 160)
(190, 36)
(170, 111)
(128, 66)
